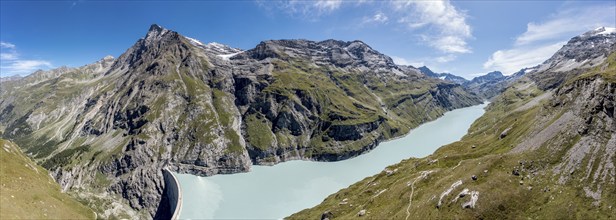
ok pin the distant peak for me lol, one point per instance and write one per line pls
(606, 30)
(600, 31)
(156, 27)
(359, 42)
(108, 57)
(155, 32)
(495, 73)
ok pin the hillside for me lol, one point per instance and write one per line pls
(28, 192)
(545, 149)
(105, 130)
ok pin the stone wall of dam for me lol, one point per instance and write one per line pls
(171, 203)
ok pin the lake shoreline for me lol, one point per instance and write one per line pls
(279, 190)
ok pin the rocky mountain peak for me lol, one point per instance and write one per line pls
(359, 45)
(156, 32)
(443, 76)
(105, 62)
(157, 40)
(494, 74)
(588, 49)
(581, 52)
(427, 71)
(156, 27)
(600, 31)
(344, 54)
(333, 43)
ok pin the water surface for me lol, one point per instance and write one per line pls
(273, 192)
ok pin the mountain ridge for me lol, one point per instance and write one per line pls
(172, 102)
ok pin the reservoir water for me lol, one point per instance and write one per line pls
(274, 192)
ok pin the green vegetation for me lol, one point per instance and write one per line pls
(343, 99)
(510, 185)
(298, 78)
(157, 108)
(172, 96)
(27, 191)
(607, 71)
(258, 132)
(65, 157)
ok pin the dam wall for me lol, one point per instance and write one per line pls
(173, 194)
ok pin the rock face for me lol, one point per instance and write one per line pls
(488, 85)
(106, 130)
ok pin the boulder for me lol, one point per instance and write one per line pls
(327, 215)
(361, 212)
(515, 172)
(504, 133)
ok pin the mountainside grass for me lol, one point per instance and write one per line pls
(352, 99)
(508, 185)
(258, 132)
(28, 192)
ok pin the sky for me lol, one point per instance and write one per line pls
(466, 38)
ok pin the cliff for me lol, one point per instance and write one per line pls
(106, 130)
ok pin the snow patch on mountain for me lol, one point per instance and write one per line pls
(605, 31)
(227, 56)
(195, 41)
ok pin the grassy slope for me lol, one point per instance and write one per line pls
(346, 98)
(27, 191)
(535, 193)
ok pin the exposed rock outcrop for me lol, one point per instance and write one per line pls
(173, 102)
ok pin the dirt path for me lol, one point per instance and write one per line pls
(422, 175)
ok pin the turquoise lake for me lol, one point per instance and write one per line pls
(274, 192)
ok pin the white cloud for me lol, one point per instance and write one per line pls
(8, 56)
(327, 5)
(8, 51)
(29, 65)
(12, 64)
(542, 39)
(21, 67)
(446, 58)
(439, 24)
(380, 17)
(402, 61)
(568, 23)
(309, 10)
(7, 45)
(445, 26)
(512, 60)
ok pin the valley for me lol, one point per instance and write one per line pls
(173, 102)
(543, 149)
(273, 192)
(323, 109)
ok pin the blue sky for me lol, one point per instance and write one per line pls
(466, 38)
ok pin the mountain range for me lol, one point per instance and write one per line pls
(485, 86)
(544, 149)
(106, 130)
